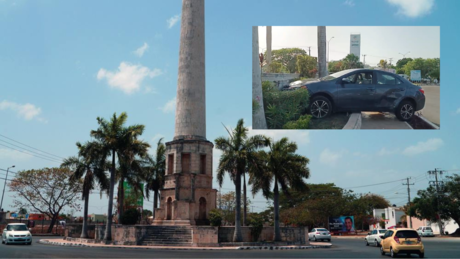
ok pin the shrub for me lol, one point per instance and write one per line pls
(215, 217)
(257, 224)
(130, 217)
(302, 123)
(283, 106)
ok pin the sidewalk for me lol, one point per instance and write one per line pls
(379, 120)
(62, 242)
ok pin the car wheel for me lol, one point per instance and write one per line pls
(377, 243)
(367, 243)
(421, 255)
(405, 111)
(314, 238)
(320, 107)
(392, 253)
(329, 240)
(381, 251)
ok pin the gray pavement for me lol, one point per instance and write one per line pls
(342, 248)
(382, 120)
(432, 103)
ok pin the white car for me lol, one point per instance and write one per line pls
(425, 231)
(16, 233)
(375, 236)
(317, 234)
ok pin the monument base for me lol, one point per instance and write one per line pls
(160, 222)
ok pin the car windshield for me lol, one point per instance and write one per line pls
(321, 229)
(428, 229)
(16, 227)
(407, 234)
(335, 75)
(382, 231)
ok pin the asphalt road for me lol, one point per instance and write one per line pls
(431, 111)
(342, 248)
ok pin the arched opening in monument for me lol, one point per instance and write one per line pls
(169, 209)
(186, 163)
(202, 164)
(170, 163)
(202, 210)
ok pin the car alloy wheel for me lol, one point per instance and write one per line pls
(314, 238)
(377, 243)
(381, 250)
(320, 107)
(407, 111)
(367, 243)
(392, 253)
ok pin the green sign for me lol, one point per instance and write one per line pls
(130, 194)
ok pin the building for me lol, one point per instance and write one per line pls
(355, 45)
(449, 226)
(391, 216)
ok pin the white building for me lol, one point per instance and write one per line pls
(391, 216)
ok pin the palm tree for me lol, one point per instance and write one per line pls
(239, 150)
(155, 173)
(114, 139)
(87, 165)
(322, 68)
(283, 167)
(258, 115)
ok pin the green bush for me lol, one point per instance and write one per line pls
(283, 106)
(215, 217)
(130, 217)
(256, 222)
(302, 123)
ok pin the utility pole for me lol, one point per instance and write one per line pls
(4, 185)
(404, 55)
(390, 60)
(364, 61)
(436, 184)
(408, 199)
(309, 52)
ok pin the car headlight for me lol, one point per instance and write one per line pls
(29, 235)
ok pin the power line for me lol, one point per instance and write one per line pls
(49, 157)
(31, 147)
(371, 184)
(31, 154)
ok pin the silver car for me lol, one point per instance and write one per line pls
(16, 233)
(425, 231)
(375, 236)
(317, 234)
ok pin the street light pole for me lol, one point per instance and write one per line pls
(4, 185)
(328, 49)
(404, 55)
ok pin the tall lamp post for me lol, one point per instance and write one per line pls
(404, 55)
(4, 186)
(328, 49)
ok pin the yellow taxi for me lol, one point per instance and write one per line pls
(402, 241)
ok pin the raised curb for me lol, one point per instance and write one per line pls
(428, 122)
(354, 122)
(48, 242)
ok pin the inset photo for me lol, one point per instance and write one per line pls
(346, 77)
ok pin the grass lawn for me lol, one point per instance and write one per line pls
(334, 121)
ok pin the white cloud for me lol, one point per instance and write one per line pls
(329, 157)
(157, 137)
(170, 106)
(13, 155)
(26, 111)
(299, 136)
(350, 3)
(172, 21)
(413, 8)
(422, 147)
(128, 77)
(386, 152)
(140, 51)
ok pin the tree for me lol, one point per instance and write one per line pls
(287, 57)
(402, 62)
(87, 164)
(227, 205)
(283, 167)
(383, 63)
(335, 66)
(46, 190)
(114, 138)
(307, 66)
(258, 114)
(322, 68)
(154, 172)
(351, 61)
(277, 67)
(239, 150)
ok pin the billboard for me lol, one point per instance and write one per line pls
(415, 75)
(355, 45)
(342, 224)
(129, 193)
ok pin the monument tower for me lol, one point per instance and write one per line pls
(187, 195)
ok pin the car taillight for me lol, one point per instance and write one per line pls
(419, 240)
(318, 233)
(396, 239)
(304, 87)
(421, 90)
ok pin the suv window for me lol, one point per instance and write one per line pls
(384, 79)
(374, 232)
(407, 234)
(364, 78)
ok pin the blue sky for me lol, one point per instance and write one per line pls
(63, 63)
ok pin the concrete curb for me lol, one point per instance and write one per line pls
(354, 122)
(54, 243)
(428, 122)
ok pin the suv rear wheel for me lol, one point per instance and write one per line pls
(320, 107)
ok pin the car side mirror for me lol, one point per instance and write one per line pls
(344, 81)
(369, 233)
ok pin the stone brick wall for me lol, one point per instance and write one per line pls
(295, 235)
(122, 235)
(74, 230)
(205, 236)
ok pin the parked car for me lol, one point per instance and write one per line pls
(375, 236)
(402, 241)
(317, 234)
(16, 233)
(356, 90)
(425, 231)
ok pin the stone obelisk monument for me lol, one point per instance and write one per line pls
(187, 195)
